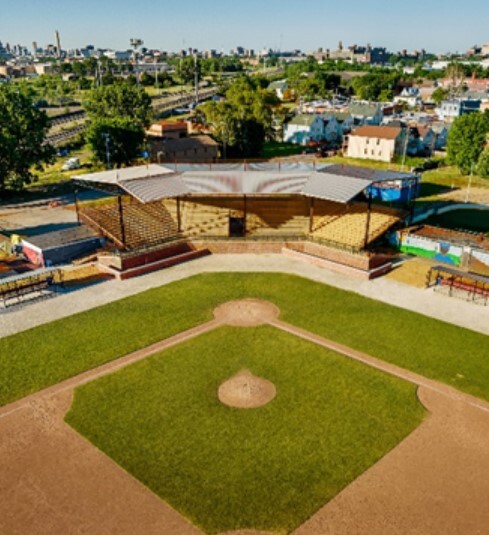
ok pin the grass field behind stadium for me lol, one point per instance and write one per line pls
(47, 354)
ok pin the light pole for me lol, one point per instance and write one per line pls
(136, 43)
(107, 148)
(156, 56)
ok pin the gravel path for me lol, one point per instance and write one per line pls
(419, 300)
(54, 481)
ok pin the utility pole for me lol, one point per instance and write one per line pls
(136, 43)
(156, 56)
(196, 78)
(404, 152)
(107, 148)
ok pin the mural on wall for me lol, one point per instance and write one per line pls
(437, 250)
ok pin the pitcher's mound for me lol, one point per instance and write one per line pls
(246, 391)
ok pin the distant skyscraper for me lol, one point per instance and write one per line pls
(58, 44)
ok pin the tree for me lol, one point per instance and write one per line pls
(483, 163)
(439, 94)
(23, 130)
(467, 139)
(121, 112)
(120, 137)
(243, 122)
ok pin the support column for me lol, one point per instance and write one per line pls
(179, 216)
(77, 208)
(245, 213)
(369, 213)
(311, 214)
(121, 220)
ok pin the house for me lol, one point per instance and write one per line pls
(279, 87)
(440, 130)
(343, 118)
(168, 129)
(422, 141)
(410, 96)
(169, 142)
(365, 113)
(332, 129)
(375, 143)
(449, 110)
(304, 128)
(192, 149)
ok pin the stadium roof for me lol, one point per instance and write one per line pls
(156, 182)
(334, 188)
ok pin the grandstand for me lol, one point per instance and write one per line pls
(156, 205)
(130, 224)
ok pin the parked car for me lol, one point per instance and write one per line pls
(72, 163)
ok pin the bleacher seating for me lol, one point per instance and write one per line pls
(144, 224)
(275, 217)
(346, 225)
(207, 217)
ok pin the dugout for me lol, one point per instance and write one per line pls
(456, 283)
(61, 246)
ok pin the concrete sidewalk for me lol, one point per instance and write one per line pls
(426, 302)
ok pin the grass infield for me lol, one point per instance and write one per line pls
(47, 354)
(269, 468)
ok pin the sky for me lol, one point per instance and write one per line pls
(436, 25)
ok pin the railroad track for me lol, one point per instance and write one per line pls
(160, 104)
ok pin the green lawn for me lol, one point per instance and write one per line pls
(274, 149)
(225, 469)
(50, 353)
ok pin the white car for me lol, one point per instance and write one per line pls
(72, 163)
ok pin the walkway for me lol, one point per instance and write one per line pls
(423, 301)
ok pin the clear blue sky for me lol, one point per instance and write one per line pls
(437, 25)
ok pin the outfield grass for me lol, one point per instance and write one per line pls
(49, 353)
(226, 469)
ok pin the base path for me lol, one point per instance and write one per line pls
(54, 481)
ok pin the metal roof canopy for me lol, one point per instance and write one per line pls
(366, 173)
(115, 176)
(155, 182)
(334, 188)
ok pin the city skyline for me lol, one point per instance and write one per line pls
(279, 25)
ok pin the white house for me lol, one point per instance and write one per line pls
(449, 110)
(279, 87)
(375, 143)
(411, 96)
(304, 128)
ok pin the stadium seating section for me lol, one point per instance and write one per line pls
(153, 223)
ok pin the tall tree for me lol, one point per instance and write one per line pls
(244, 120)
(23, 130)
(118, 115)
(467, 139)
